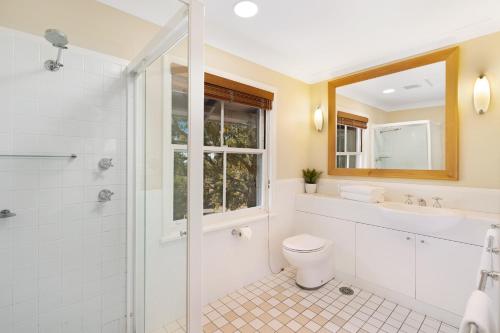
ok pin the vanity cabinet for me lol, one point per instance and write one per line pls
(446, 272)
(386, 257)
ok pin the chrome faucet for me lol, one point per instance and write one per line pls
(408, 199)
(422, 202)
(436, 203)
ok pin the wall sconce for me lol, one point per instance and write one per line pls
(481, 94)
(318, 118)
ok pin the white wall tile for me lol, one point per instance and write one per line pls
(63, 245)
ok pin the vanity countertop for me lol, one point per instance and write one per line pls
(454, 224)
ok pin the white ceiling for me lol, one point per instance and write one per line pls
(314, 40)
(419, 87)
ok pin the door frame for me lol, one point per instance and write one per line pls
(182, 24)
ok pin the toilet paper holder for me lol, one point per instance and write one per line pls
(242, 232)
(236, 233)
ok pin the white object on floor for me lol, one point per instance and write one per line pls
(362, 189)
(478, 312)
(313, 258)
(370, 198)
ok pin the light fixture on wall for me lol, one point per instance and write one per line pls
(318, 118)
(481, 94)
(246, 9)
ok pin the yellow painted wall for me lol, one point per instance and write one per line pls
(87, 23)
(436, 114)
(293, 113)
(479, 160)
(95, 26)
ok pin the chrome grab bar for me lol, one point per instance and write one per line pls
(485, 274)
(491, 248)
(484, 278)
(473, 328)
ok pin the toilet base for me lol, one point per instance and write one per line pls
(313, 288)
(313, 278)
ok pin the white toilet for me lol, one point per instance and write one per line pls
(313, 258)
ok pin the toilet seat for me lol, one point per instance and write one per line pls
(304, 243)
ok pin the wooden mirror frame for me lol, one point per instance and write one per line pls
(450, 172)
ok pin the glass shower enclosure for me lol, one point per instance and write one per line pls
(166, 84)
(414, 145)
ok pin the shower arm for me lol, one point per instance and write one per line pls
(59, 54)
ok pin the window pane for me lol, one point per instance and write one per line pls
(340, 138)
(212, 122)
(352, 161)
(179, 117)
(351, 139)
(180, 185)
(212, 182)
(342, 161)
(241, 125)
(243, 177)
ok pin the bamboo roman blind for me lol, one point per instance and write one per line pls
(232, 91)
(349, 119)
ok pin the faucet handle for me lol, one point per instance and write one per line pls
(436, 203)
(408, 200)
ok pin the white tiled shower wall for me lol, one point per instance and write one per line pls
(63, 257)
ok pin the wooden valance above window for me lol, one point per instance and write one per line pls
(349, 119)
(232, 91)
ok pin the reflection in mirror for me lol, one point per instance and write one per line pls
(395, 121)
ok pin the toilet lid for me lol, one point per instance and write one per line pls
(304, 243)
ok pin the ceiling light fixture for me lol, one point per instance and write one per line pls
(388, 91)
(246, 9)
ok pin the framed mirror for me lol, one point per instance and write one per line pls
(398, 120)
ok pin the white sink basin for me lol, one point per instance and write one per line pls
(422, 219)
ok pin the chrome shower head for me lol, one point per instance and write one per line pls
(58, 39)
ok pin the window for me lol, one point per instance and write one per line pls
(350, 139)
(234, 150)
(348, 146)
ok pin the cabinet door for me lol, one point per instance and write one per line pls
(386, 257)
(340, 232)
(446, 272)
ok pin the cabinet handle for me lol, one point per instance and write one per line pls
(408, 238)
(422, 241)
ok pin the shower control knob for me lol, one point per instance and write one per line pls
(105, 163)
(6, 213)
(105, 195)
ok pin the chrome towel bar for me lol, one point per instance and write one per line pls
(38, 156)
(484, 277)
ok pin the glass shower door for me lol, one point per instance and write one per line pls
(163, 98)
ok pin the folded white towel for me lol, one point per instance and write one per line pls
(362, 189)
(479, 312)
(370, 198)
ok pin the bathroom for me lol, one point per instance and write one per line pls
(343, 176)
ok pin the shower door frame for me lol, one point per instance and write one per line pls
(161, 43)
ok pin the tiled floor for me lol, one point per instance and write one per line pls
(276, 304)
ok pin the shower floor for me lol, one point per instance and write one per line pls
(276, 304)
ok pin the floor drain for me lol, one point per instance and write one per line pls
(346, 290)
